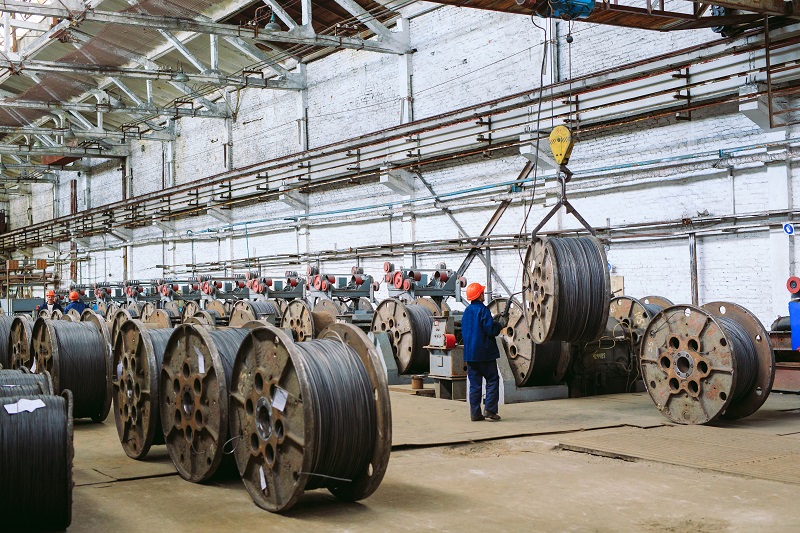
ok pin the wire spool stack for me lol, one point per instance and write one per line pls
(138, 354)
(245, 311)
(532, 364)
(408, 327)
(566, 288)
(304, 323)
(702, 363)
(5, 333)
(309, 415)
(78, 357)
(194, 395)
(36, 457)
(21, 383)
(19, 343)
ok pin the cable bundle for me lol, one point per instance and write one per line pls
(18, 383)
(408, 327)
(5, 332)
(744, 350)
(193, 397)
(77, 356)
(138, 355)
(330, 390)
(263, 308)
(421, 320)
(36, 462)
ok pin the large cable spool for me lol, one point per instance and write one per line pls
(190, 308)
(194, 397)
(304, 323)
(101, 308)
(408, 327)
(111, 310)
(334, 309)
(245, 311)
(121, 316)
(5, 333)
(280, 303)
(628, 318)
(55, 314)
(21, 383)
(566, 288)
(134, 309)
(159, 318)
(173, 310)
(138, 354)
(19, 343)
(36, 457)
(658, 301)
(307, 415)
(700, 363)
(219, 311)
(72, 315)
(147, 309)
(531, 364)
(78, 357)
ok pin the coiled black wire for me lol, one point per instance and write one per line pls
(421, 320)
(345, 416)
(81, 366)
(5, 333)
(227, 342)
(545, 363)
(652, 309)
(17, 382)
(159, 337)
(744, 351)
(264, 308)
(583, 292)
(36, 465)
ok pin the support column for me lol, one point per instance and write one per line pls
(406, 74)
(302, 110)
(778, 182)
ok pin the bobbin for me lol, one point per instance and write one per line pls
(194, 398)
(19, 343)
(135, 389)
(531, 364)
(245, 311)
(304, 323)
(276, 446)
(541, 289)
(689, 367)
(406, 336)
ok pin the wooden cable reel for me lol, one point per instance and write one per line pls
(330, 307)
(273, 418)
(531, 364)
(303, 322)
(218, 310)
(19, 343)
(190, 308)
(159, 318)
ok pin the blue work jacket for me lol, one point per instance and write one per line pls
(77, 305)
(479, 330)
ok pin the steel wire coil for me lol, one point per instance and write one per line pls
(333, 392)
(408, 328)
(77, 355)
(5, 333)
(18, 382)
(744, 350)
(138, 355)
(193, 397)
(36, 463)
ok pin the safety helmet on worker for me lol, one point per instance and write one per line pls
(74, 296)
(50, 292)
(474, 291)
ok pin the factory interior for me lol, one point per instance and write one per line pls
(399, 265)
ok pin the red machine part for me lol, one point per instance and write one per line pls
(398, 280)
(793, 285)
(406, 284)
(449, 341)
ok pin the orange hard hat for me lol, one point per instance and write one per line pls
(74, 296)
(474, 290)
(50, 293)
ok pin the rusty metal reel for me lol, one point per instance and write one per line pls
(245, 311)
(218, 307)
(194, 397)
(394, 318)
(19, 343)
(122, 315)
(330, 307)
(148, 308)
(173, 309)
(159, 318)
(280, 303)
(135, 309)
(627, 319)
(660, 301)
(190, 308)
(111, 311)
(303, 322)
(55, 314)
(430, 305)
(72, 315)
(135, 387)
(276, 447)
(97, 321)
(689, 367)
(531, 364)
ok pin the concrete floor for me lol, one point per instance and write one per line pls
(444, 476)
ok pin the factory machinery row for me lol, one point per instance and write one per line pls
(287, 380)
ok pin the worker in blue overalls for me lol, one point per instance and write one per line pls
(479, 329)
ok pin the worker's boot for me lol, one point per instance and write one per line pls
(491, 416)
(477, 418)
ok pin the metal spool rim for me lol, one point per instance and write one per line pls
(43, 328)
(657, 300)
(24, 327)
(765, 375)
(122, 315)
(300, 318)
(168, 406)
(158, 319)
(190, 307)
(533, 299)
(147, 309)
(360, 487)
(327, 306)
(90, 316)
(703, 324)
(219, 307)
(150, 374)
(384, 320)
(430, 305)
(514, 352)
(634, 312)
(242, 313)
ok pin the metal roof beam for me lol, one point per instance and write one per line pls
(281, 13)
(88, 134)
(184, 51)
(116, 151)
(767, 7)
(369, 20)
(257, 55)
(197, 26)
(108, 108)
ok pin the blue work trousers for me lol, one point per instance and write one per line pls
(477, 372)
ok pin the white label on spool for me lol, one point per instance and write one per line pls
(119, 371)
(9, 386)
(279, 402)
(263, 478)
(201, 362)
(24, 405)
(33, 366)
